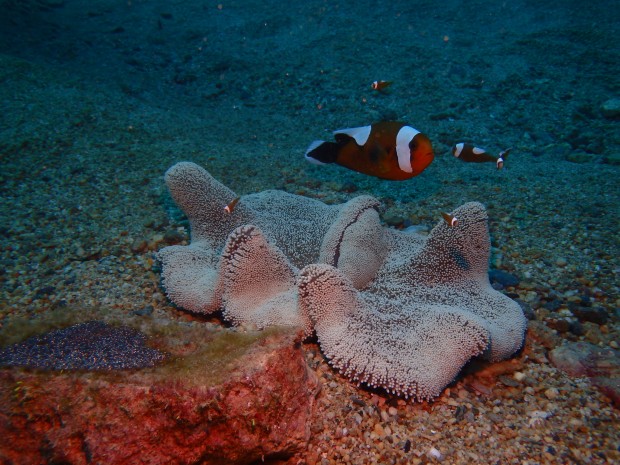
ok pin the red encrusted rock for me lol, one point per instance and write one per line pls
(601, 365)
(231, 398)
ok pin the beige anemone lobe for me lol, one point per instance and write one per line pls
(356, 242)
(259, 282)
(408, 349)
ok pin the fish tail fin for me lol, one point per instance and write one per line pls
(320, 152)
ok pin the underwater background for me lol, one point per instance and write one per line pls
(99, 98)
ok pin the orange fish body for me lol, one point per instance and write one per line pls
(388, 150)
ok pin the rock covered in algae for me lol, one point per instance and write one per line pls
(221, 397)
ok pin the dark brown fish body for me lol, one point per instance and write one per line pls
(470, 153)
(380, 85)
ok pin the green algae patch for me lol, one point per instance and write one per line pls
(17, 328)
(204, 356)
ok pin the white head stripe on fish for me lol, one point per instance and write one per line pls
(404, 136)
(359, 134)
(458, 149)
(450, 220)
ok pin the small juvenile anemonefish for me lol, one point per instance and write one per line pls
(470, 153)
(387, 150)
(451, 220)
(380, 85)
(231, 206)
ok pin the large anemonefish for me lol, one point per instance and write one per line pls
(470, 153)
(387, 150)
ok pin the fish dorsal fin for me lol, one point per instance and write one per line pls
(359, 134)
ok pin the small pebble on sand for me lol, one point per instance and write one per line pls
(551, 393)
